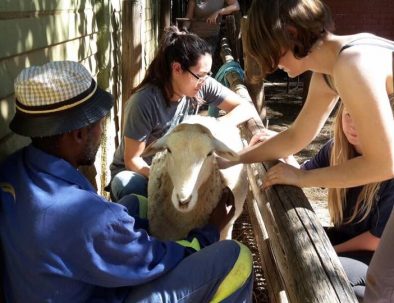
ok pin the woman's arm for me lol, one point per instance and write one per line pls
(364, 241)
(132, 156)
(263, 136)
(319, 104)
(238, 109)
(362, 86)
(232, 6)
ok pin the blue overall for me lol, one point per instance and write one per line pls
(64, 243)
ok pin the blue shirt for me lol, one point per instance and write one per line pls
(64, 243)
(380, 213)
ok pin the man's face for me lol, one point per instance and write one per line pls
(92, 143)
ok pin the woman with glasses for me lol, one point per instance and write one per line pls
(176, 83)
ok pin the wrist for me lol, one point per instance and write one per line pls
(221, 12)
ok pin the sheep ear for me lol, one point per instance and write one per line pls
(154, 147)
(224, 151)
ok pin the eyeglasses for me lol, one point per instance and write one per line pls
(200, 79)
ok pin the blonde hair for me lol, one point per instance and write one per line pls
(277, 25)
(342, 151)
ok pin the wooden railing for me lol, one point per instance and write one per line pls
(299, 262)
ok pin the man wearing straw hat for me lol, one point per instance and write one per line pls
(62, 242)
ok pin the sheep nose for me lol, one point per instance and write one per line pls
(184, 201)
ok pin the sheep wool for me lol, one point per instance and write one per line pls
(185, 183)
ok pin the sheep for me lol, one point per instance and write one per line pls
(185, 183)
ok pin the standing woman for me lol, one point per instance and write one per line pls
(206, 15)
(176, 83)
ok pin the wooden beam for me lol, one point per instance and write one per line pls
(253, 80)
(308, 264)
(165, 15)
(131, 47)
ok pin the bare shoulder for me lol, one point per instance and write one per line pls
(366, 60)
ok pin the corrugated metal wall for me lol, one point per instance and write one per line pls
(89, 31)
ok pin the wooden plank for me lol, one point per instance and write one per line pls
(131, 47)
(76, 50)
(253, 81)
(27, 34)
(165, 15)
(274, 283)
(306, 249)
(10, 7)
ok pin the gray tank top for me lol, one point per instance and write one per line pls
(202, 10)
(368, 40)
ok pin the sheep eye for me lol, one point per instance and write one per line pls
(210, 153)
(168, 150)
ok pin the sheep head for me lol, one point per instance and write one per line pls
(189, 160)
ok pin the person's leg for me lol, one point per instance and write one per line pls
(380, 276)
(137, 207)
(355, 264)
(221, 272)
(127, 182)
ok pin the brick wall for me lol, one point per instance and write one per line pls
(374, 16)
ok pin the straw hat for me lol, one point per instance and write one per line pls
(56, 98)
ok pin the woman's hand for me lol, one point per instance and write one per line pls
(224, 163)
(212, 19)
(262, 136)
(266, 134)
(283, 173)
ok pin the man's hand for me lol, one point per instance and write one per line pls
(224, 211)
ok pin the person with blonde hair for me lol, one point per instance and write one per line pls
(359, 214)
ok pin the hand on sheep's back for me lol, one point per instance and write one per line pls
(224, 211)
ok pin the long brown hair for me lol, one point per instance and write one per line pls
(274, 26)
(175, 46)
(341, 152)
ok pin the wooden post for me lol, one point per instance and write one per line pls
(254, 84)
(131, 47)
(308, 265)
(232, 35)
(165, 15)
(236, 83)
